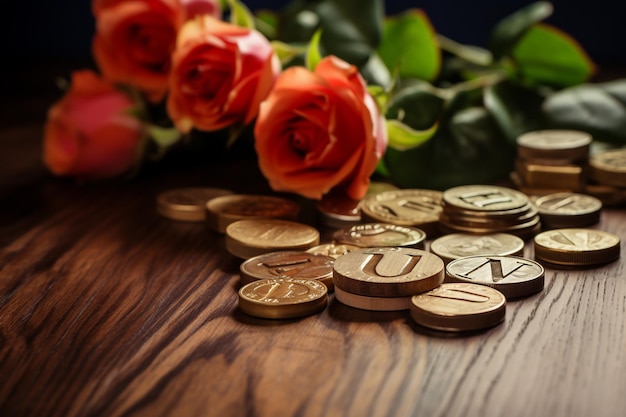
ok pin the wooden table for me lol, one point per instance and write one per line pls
(108, 309)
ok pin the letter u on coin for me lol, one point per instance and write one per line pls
(388, 272)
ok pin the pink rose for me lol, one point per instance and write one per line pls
(135, 39)
(87, 133)
(320, 130)
(220, 75)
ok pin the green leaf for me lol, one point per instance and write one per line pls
(313, 53)
(164, 136)
(402, 137)
(599, 109)
(507, 33)
(266, 22)
(352, 28)
(515, 108)
(469, 147)
(546, 55)
(474, 55)
(240, 15)
(409, 43)
(287, 52)
(380, 96)
(416, 107)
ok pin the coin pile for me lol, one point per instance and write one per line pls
(607, 176)
(461, 284)
(385, 279)
(483, 209)
(551, 161)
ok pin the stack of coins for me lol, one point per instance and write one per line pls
(385, 279)
(408, 207)
(607, 177)
(484, 209)
(550, 161)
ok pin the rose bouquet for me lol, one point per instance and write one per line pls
(332, 92)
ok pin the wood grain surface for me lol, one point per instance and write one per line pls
(108, 309)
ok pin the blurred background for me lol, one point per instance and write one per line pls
(43, 29)
(40, 39)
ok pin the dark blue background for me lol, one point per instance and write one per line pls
(45, 29)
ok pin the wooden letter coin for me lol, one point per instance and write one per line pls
(513, 276)
(388, 272)
(459, 307)
(283, 298)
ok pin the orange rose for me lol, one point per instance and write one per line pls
(220, 75)
(87, 133)
(320, 130)
(135, 39)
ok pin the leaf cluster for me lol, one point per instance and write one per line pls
(454, 111)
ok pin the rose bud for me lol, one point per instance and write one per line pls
(320, 130)
(135, 39)
(89, 133)
(220, 75)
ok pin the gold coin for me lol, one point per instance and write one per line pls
(334, 250)
(407, 207)
(336, 210)
(377, 187)
(288, 264)
(483, 198)
(513, 276)
(364, 302)
(248, 238)
(377, 235)
(283, 298)
(459, 307)
(564, 210)
(388, 272)
(554, 144)
(187, 204)
(224, 210)
(609, 167)
(564, 177)
(576, 247)
(458, 245)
